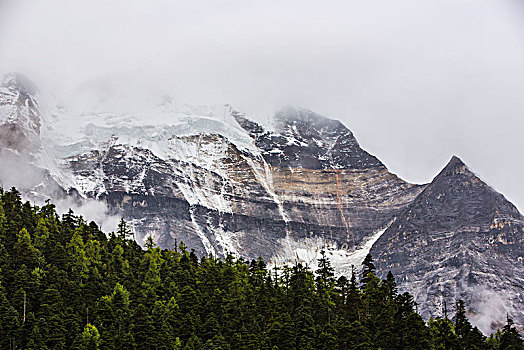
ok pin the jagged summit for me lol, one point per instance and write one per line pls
(455, 161)
(457, 199)
(455, 166)
(293, 115)
(309, 123)
(305, 139)
(458, 180)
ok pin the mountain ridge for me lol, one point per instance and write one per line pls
(222, 183)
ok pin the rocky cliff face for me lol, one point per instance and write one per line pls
(459, 239)
(250, 201)
(212, 178)
(19, 114)
(20, 142)
(220, 182)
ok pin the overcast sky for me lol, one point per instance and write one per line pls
(416, 80)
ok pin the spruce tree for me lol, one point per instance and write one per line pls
(510, 338)
(90, 338)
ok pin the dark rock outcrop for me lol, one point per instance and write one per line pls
(459, 239)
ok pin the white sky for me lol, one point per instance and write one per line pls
(416, 80)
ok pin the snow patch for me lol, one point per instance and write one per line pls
(210, 250)
(307, 251)
(228, 241)
(263, 174)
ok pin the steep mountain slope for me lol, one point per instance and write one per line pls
(217, 194)
(459, 239)
(19, 113)
(210, 177)
(20, 143)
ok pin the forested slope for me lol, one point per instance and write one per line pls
(64, 284)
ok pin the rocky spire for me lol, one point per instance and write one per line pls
(458, 238)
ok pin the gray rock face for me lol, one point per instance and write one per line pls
(20, 144)
(459, 239)
(304, 139)
(245, 202)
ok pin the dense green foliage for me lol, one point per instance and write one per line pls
(65, 285)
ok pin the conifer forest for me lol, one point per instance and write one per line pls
(65, 284)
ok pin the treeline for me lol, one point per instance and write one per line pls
(64, 284)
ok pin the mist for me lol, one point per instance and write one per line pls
(90, 210)
(416, 81)
(492, 310)
(16, 171)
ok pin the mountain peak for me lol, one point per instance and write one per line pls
(470, 236)
(18, 82)
(455, 162)
(304, 139)
(298, 115)
(455, 166)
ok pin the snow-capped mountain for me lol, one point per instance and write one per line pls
(221, 182)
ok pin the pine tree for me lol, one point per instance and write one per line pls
(443, 334)
(390, 286)
(149, 244)
(469, 337)
(141, 328)
(123, 231)
(52, 310)
(64, 284)
(354, 336)
(90, 338)
(354, 307)
(325, 283)
(373, 299)
(25, 252)
(78, 258)
(36, 339)
(9, 321)
(510, 338)
(368, 269)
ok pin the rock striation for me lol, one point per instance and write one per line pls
(249, 202)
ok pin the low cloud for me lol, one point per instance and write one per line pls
(491, 310)
(36, 186)
(90, 210)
